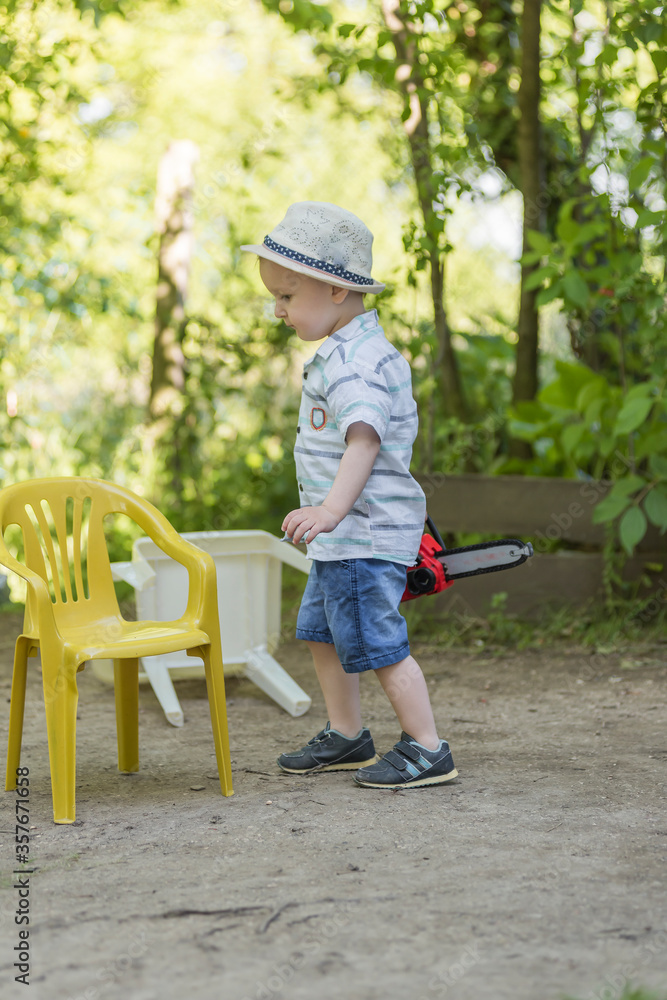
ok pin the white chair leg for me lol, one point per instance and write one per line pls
(162, 684)
(268, 675)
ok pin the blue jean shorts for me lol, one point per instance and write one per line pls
(353, 603)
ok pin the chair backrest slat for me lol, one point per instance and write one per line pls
(62, 523)
(56, 513)
(77, 550)
(44, 543)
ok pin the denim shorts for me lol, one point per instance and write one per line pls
(353, 603)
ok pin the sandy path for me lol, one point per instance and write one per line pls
(540, 871)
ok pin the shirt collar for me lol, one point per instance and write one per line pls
(360, 324)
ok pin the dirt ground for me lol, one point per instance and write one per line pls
(539, 872)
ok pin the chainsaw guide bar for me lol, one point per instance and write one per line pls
(438, 567)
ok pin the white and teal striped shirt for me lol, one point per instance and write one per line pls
(356, 375)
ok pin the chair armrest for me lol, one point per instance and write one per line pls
(202, 590)
(38, 591)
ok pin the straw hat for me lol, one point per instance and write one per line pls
(324, 242)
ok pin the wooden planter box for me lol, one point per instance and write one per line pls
(543, 510)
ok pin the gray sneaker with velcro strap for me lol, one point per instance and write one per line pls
(330, 751)
(409, 765)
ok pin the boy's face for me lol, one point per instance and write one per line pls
(312, 308)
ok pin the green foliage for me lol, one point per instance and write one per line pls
(626, 625)
(55, 286)
(582, 425)
(76, 359)
(304, 99)
(612, 292)
(486, 363)
(428, 66)
(234, 468)
(603, 256)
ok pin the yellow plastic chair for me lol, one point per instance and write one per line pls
(72, 615)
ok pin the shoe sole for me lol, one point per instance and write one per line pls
(438, 779)
(331, 767)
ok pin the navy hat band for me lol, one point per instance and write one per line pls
(335, 270)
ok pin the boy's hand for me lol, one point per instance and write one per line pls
(308, 519)
(363, 444)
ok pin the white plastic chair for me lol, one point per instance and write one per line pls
(249, 571)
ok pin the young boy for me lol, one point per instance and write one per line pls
(361, 510)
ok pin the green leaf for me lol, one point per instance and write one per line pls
(593, 412)
(658, 465)
(648, 218)
(537, 277)
(632, 528)
(571, 437)
(640, 391)
(641, 170)
(531, 411)
(629, 312)
(564, 390)
(655, 505)
(566, 228)
(524, 431)
(549, 294)
(632, 415)
(608, 509)
(576, 288)
(649, 31)
(659, 57)
(653, 443)
(627, 486)
(539, 241)
(590, 231)
(608, 55)
(593, 391)
(606, 445)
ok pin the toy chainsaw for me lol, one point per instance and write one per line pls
(438, 567)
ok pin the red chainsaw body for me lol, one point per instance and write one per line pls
(428, 575)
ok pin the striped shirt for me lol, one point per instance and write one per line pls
(356, 375)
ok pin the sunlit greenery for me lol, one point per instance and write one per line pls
(294, 100)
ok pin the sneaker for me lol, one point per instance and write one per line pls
(331, 751)
(409, 765)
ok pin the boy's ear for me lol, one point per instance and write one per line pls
(339, 294)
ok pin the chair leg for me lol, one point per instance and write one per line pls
(215, 684)
(16, 709)
(61, 697)
(126, 688)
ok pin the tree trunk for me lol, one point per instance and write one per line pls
(174, 223)
(530, 172)
(446, 369)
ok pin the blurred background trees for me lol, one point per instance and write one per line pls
(510, 158)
